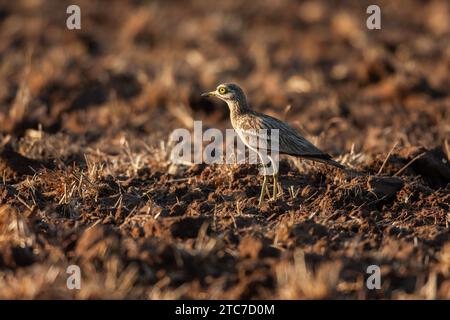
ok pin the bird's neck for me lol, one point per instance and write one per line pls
(237, 108)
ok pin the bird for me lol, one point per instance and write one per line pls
(246, 120)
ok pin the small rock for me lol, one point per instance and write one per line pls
(384, 186)
(433, 166)
(188, 227)
(14, 164)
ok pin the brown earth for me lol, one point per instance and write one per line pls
(86, 179)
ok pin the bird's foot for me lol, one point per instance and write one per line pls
(275, 188)
(264, 190)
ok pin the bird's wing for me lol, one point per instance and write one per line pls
(254, 135)
(257, 132)
(290, 141)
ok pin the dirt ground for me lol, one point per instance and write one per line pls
(86, 177)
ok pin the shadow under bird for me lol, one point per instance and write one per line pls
(290, 142)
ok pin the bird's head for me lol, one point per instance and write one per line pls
(231, 93)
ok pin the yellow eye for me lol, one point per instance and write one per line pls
(222, 90)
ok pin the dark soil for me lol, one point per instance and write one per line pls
(86, 177)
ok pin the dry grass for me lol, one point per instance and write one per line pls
(296, 281)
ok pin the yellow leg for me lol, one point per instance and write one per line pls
(263, 190)
(275, 186)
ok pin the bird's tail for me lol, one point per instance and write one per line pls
(327, 160)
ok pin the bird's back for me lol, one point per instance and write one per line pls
(290, 141)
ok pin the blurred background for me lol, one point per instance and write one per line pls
(139, 67)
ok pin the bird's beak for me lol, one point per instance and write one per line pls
(209, 94)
